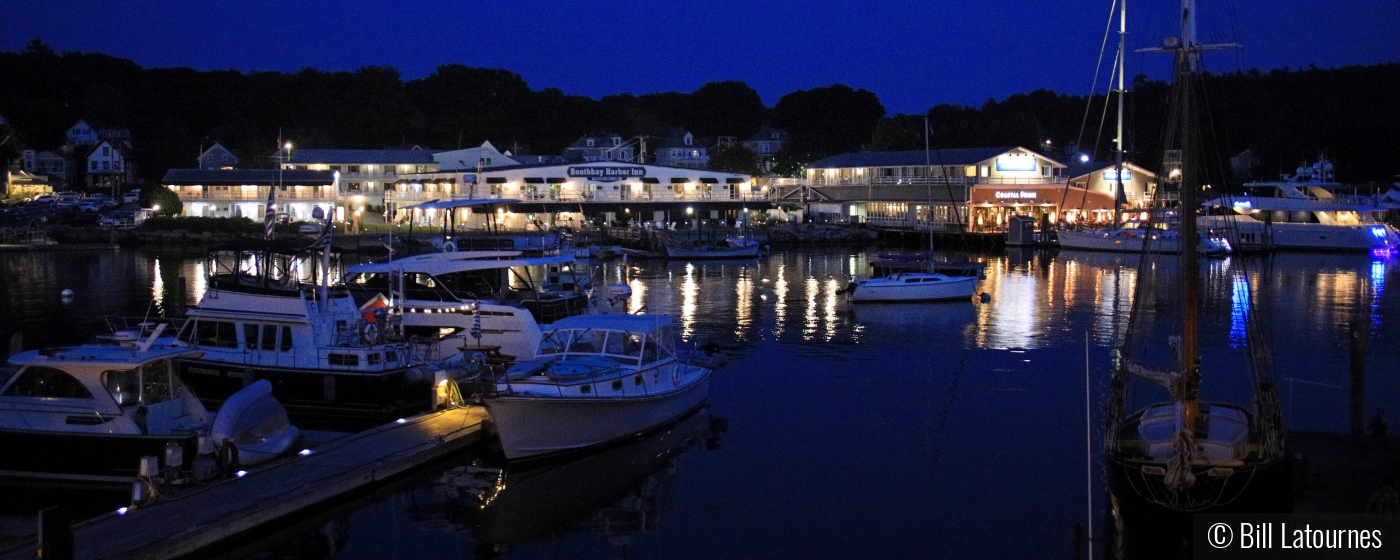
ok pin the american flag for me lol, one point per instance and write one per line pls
(324, 240)
(271, 213)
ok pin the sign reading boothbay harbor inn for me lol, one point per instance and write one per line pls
(573, 194)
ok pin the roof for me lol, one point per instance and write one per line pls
(1079, 170)
(105, 357)
(765, 134)
(582, 142)
(361, 156)
(247, 177)
(612, 321)
(958, 156)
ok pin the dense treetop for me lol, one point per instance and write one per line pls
(1284, 117)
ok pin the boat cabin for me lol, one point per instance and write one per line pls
(629, 340)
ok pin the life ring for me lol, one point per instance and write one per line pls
(449, 247)
(370, 332)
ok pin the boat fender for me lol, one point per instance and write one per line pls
(449, 247)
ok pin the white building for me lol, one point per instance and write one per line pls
(364, 174)
(243, 192)
(587, 192)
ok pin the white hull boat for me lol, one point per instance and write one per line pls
(912, 286)
(731, 252)
(598, 379)
(1131, 240)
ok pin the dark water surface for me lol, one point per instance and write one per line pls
(935, 430)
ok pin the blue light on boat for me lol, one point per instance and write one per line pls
(240, 474)
(1378, 231)
(122, 511)
(1243, 205)
(304, 452)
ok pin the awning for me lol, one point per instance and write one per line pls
(651, 180)
(557, 180)
(676, 180)
(495, 180)
(534, 179)
(733, 180)
(710, 180)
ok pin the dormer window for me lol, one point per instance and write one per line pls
(689, 139)
(617, 141)
(590, 142)
(775, 135)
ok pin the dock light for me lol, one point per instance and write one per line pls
(155, 207)
(1083, 158)
(689, 210)
(304, 452)
(401, 421)
(240, 474)
(122, 510)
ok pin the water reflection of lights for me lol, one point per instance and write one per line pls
(1377, 288)
(809, 317)
(743, 303)
(158, 287)
(780, 289)
(639, 292)
(1239, 312)
(200, 282)
(689, 291)
(832, 285)
(1013, 320)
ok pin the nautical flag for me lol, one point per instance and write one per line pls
(476, 320)
(324, 240)
(271, 213)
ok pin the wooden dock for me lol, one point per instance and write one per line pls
(203, 517)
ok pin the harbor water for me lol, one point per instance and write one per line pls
(912, 430)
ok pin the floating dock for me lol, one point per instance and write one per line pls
(202, 517)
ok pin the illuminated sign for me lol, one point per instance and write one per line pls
(608, 174)
(1017, 163)
(1112, 175)
(1015, 194)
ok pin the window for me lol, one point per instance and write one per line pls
(250, 336)
(286, 338)
(373, 359)
(389, 170)
(106, 151)
(485, 162)
(649, 352)
(590, 142)
(92, 165)
(585, 342)
(106, 166)
(335, 168)
(617, 141)
(422, 168)
(48, 383)
(343, 360)
(124, 385)
(301, 167)
(354, 186)
(353, 169)
(269, 338)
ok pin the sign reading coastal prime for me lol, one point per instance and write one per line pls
(607, 174)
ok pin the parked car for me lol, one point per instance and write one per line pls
(131, 196)
(88, 206)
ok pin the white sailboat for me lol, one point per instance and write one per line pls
(913, 286)
(1155, 237)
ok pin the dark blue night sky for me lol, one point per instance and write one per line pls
(912, 54)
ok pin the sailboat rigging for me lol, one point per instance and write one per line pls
(1189, 454)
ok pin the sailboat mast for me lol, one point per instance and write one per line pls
(1186, 68)
(1118, 195)
(928, 218)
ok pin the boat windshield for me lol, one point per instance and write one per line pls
(623, 347)
(146, 385)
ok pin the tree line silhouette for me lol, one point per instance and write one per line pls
(1283, 117)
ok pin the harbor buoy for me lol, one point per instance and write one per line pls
(985, 297)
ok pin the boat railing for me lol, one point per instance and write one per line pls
(589, 375)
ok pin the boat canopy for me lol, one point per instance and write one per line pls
(615, 322)
(439, 267)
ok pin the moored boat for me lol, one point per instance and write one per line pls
(597, 379)
(89, 414)
(910, 287)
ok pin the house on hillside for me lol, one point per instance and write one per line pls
(606, 147)
(217, 157)
(679, 149)
(108, 166)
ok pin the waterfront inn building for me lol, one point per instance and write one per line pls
(579, 193)
(968, 189)
(226, 193)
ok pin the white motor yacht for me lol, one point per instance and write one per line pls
(1130, 239)
(597, 379)
(1302, 211)
(90, 413)
(450, 298)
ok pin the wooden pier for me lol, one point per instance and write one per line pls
(205, 516)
